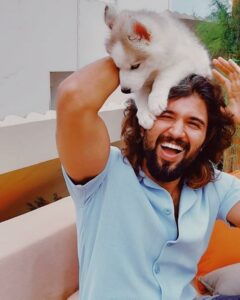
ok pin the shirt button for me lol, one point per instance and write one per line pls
(157, 269)
(167, 211)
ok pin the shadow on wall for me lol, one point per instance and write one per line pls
(32, 187)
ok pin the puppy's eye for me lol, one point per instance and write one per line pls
(134, 67)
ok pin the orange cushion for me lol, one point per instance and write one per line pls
(223, 250)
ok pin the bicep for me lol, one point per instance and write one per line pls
(82, 138)
(83, 143)
(233, 215)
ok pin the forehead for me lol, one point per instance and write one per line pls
(190, 106)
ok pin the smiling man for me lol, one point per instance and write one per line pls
(180, 131)
(145, 214)
(175, 141)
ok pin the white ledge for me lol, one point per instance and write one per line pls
(31, 140)
(11, 120)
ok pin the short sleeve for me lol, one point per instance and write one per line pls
(231, 195)
(81, 193)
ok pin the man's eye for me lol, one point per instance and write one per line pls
(194, 125)
(134, 67)
(165, 117)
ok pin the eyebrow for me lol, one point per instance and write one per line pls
(192, 118)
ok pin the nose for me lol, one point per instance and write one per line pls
(126, 90)
(177, 129)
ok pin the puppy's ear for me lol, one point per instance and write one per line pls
(110, 15)
(138, 32)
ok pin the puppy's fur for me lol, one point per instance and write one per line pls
(153, 52)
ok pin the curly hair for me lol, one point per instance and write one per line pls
(219, 132)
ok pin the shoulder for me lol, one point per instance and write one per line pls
(115, 152)
(115, 157)
(224, 184)
(117, 161)
(81, 193)
(223, 178)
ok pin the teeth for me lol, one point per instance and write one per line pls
(172, 146)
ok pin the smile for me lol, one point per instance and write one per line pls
(170, 152)
(173, 147)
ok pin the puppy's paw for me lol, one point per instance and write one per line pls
(146, 120)
(157, 103)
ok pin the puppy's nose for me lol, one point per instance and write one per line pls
(126, 90)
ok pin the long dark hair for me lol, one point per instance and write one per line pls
(219, 132)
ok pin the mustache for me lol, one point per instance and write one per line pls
(162, 138)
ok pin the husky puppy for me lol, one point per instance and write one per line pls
(153, 53)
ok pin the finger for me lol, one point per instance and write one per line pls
(219, 77)
(234, 65)
(223, 81)
(234, 77)
(226, 64)
(220, 66)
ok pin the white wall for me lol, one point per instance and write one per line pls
(156, 5)
(38, 37)
(92, 29)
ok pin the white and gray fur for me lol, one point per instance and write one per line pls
(167, 52)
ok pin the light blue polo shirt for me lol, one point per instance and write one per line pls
(128, 243)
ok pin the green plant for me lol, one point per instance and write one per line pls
(220, 32)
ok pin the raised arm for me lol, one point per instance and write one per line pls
(227, 73)
(82, 138)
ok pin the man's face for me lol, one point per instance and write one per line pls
(176, 138)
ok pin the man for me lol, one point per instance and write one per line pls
(144, 216)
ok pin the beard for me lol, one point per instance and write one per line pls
(164, 172)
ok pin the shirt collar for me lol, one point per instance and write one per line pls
(144, 179)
